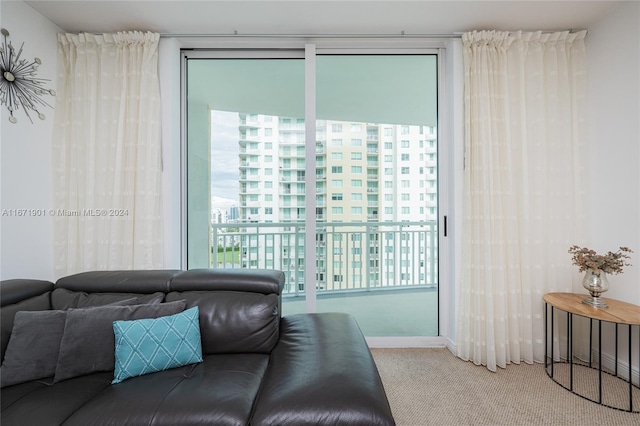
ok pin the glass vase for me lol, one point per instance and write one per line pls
(596, 283)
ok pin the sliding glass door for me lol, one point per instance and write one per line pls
(373, 175)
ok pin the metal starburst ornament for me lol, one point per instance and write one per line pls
(19, 86)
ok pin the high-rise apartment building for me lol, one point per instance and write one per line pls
(376, 187)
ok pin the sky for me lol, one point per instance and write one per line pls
(225, 173)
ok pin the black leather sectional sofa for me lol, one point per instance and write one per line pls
(257, 368)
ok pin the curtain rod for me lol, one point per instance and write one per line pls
(402, 34)
(237, 35)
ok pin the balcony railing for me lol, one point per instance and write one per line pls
(355, 256)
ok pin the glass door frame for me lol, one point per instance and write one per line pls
(308, 49)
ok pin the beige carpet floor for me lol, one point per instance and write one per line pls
(434, 387)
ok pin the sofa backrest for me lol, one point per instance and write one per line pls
(20, 295)
(139, 281)
(97, 288)
(240, 309)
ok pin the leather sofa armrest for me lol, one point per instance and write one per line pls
(321, 372)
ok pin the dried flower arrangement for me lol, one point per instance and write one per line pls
(610, 263)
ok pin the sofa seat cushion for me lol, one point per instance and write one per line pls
(322, 373)
(37, 403)
(220, 390)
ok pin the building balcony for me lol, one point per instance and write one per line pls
(399, 246)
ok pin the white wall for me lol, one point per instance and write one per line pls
(26, 249)
(613, 48)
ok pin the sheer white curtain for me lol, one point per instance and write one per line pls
(107, 153)
(524, 192)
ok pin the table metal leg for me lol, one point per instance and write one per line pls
(570, 348)
(546, 336)
(630, 369)
(616, 352)
(600, 362)
(552, 338)
(590, 342)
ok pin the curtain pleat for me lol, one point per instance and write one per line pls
(524, 188)
(107, 153)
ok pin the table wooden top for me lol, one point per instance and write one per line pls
(617, 312)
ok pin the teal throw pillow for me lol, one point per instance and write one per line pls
(149, 345)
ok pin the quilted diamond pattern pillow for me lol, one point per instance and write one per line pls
(149, 345)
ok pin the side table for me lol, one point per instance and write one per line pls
(583, 374)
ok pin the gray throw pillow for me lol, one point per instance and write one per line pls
(88, 341)
(32, 352)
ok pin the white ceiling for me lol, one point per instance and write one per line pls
(319, 17)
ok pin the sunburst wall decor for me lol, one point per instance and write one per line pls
(19, 86)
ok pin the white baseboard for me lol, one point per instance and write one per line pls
(407, 342)
(609, 362)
